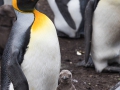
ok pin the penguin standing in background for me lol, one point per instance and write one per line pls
(102, 34)
(33, 44)
(116, 87)
(7, 18)
(69, 17)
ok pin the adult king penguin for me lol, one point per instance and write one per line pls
(33, 44)
(102, 32)
(69, 17)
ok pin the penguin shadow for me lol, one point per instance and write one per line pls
(65, 81)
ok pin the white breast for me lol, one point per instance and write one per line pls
(41, 63)
(60, 23)
(106, 33)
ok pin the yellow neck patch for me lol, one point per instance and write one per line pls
(40, 20)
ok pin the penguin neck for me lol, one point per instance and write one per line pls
(39, 21)
(7, 2)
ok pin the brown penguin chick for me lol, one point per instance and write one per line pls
(7, 18)
(65, 80)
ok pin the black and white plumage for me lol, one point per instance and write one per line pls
(69, 17)
(31, 57)
(102, 33)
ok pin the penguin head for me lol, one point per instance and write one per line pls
(24, 5)
(65, 76)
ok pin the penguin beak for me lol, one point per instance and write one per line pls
(64, 78)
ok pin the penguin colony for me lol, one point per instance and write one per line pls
(28, 39)
(33, 44)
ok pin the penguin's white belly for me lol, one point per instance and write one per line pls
(106, 34)
(41, 64)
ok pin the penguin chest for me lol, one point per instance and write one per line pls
(106, 28)
(73, 8)
(41, 64)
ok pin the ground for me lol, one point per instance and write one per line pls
(87, 78)
(83, 78)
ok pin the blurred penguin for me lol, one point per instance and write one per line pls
(69, 17)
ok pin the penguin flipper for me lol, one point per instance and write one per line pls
(62, 5)
(12, 58)
(10, 64)
(88, 27)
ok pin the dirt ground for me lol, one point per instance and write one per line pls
(84, 78)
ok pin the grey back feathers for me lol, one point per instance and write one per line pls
(16, 42)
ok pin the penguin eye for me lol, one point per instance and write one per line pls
(60, 75)
(69, 75)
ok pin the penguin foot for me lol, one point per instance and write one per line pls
(61, 34)
(88, 64)
(113, 69)
(116, 87)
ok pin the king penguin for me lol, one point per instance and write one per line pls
(102, 34)
(69, 17)
(33, 44)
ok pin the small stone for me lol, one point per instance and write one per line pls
(79, 53)
(74, 80)
(70, 62)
